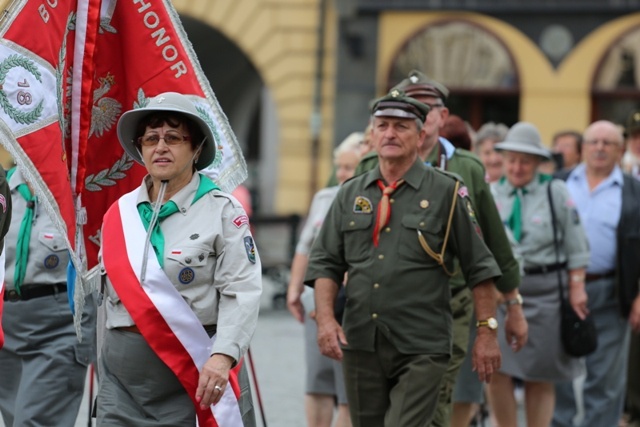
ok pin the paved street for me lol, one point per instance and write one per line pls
(278, 356)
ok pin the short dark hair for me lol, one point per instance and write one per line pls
(173, 119)
(577, 136)
(456, 132)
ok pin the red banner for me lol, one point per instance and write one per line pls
(34, 70)
(141, 51)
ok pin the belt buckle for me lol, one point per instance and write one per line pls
(13, 296)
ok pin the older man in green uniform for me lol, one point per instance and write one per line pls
(396, 231)
(439, 152)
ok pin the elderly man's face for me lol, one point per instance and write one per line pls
(602, 147)
(568, 146)
(436, 117)
(633, 143)
(396, 138)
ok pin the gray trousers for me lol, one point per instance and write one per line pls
(138, 389)
(43, 364)
(604, 387)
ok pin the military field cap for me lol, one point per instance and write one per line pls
(633, 123)
(524, 137)
(165, 102)
(397, 104)
(418, 84)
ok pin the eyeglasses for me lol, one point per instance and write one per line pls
(433, 106)
(605, 142)
(171, 139)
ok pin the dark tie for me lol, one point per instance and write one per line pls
(384, 208)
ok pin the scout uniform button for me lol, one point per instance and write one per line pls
(424, 204)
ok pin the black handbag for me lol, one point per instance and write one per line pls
(579, 337)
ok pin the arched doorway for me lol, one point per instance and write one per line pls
(472, 62)
(245, 100)
(616, 84)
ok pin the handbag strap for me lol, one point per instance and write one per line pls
(556, 245)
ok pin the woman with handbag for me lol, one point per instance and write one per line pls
(523, 198)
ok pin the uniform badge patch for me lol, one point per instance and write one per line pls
(362, 205)
(250, 247)
(463, 192)
(51, 261)
(575, 216)
(472, 213)
(186, 275)
(241, 220)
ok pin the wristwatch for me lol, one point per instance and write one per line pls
(514, 301)
(490, 323)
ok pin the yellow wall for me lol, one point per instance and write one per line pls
(552, 99)
(279, 37)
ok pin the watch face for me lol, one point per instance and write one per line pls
(492, 323)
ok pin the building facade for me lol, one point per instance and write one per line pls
(316, 64)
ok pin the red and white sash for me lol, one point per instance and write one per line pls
(165, 320)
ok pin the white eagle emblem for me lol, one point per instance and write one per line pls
(104, 110)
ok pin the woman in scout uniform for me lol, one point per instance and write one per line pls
(523, 203)
(43, 365)
(325, 382)
(180, 267)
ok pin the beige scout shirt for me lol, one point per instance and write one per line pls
(396, 287)
(48, 256)
(536, 245)
(210, 237)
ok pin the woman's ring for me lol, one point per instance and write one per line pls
(217, 387)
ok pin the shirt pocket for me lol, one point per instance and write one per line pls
(358, 236)
(431, 228)
(189, 266)
(53, 249)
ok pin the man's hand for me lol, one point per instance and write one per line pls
(634, 316)
(516, 327)
(486, 354)
(330, 336)
(213, 380)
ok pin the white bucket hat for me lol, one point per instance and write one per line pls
(524, 137)
(170, 102)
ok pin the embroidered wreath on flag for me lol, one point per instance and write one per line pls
(13, 61)
(108, 177)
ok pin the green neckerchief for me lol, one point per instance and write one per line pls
(146, 212)
(24, 235)
(515, 220)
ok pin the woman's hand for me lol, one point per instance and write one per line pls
(578, 300)
(213, 380)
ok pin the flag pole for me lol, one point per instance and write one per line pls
(257, 388)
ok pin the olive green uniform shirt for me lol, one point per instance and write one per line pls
(468, 167)
(397, 287)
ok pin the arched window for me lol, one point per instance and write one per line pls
(472, 62)
(616, 85)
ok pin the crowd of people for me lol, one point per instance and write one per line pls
(534, 220)
(434, 279)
